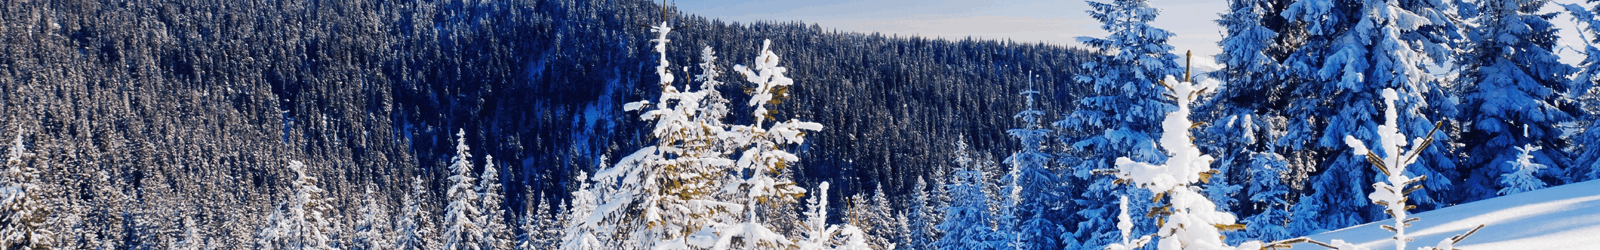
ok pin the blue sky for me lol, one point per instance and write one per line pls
(1053, 22)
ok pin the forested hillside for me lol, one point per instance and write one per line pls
(143, 113)
(624, 124)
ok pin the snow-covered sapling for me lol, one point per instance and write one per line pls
(1393, 161)
(1524, 173)
(1191, 221)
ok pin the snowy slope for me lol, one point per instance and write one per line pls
(1562, 217)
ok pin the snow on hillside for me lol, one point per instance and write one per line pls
(1562, 217)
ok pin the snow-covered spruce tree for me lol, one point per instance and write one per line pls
(415, 224)
(1188, 220)
(1005, 219)
(966, 219)
(496, 235)
(579, 231)
(303, 222)
(1270, 194)
(540, 229)
(371, 229)
(529, 222)
(760, 151)
(684, 191)
(1391, 160)
(1121, 117)
(462, 226)
(1351, 50)
(920, 228)
(22, 207)
(877, 219)
(192, 240)
(1525, 176)
(1513, 90)
(1586, 144)
(1243, 118)
(1034, 185)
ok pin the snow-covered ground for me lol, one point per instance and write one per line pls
(1561, 217)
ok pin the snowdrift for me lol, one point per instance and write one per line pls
(1561, 217)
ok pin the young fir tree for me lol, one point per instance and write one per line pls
(966, 219)
(192, 240)
(462, 225)
(1187, 219)
(920, 229)
(496, 235)
(1525, 176)
(1035, 185)
(1350, 51)
(687, 190)
(1270, 196)
(371, 229)
(1513, 92)
(1006, 235)
(536, 221)
(23, 210)
(304, 221)
(1121, 117)
(878, 219)
(415, 224)
(579, 232)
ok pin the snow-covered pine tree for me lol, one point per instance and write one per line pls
(106, 212)
(532, 218)
(759, 147)
(1350, 51)
(551, 228)
(1188, 220)
(496, 235)
(462, 225)
(1270, 196)
(1121, 118)
(662, 195)
(1034, 185)
(192, 240)
(371, 229)
(966, 219)
(1006, 223)
(920, 229)
(1525, 175)
(536, 222)
(1586, 144)
(579, 230)
(685, 191)
(415, 224)
(304, 221)
(1238, 118)
(1513, 90)
(23, 210)
(881, 226)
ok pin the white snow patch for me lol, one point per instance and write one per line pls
(1561, 217)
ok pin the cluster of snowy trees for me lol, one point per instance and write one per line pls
(1266, 153)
